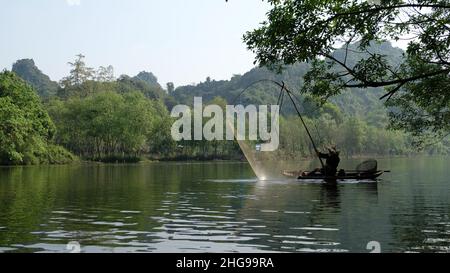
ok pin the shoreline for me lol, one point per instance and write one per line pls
(194, 161)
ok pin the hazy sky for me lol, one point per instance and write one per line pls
(183, 41)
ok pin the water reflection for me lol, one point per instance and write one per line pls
(218, 207)
(330, 195)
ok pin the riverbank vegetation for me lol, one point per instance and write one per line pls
(26, 130)
(92, 115)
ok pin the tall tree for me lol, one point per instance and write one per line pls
(170, 88)
(149, 78)
(79, 72)
(310, 30)
(105, 74)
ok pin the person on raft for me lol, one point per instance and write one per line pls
(332, 162)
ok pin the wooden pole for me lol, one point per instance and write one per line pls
(283, 86)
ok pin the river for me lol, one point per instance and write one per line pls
(222, 207)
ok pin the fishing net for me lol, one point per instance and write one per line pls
(368, 166)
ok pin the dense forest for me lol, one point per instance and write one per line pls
(92, 115)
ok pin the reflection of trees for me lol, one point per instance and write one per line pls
(420, 213)
(26, 197)
(289, 208)
(84, 194)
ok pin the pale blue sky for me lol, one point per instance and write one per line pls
(183, 41)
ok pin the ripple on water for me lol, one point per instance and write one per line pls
(209, 216)
(61, 212)
(297, 212)
(7, 249)
(316, 228)
(130, 211)
(311, 243)
(323, 250)
(115, 224)
(55, 234)
(294, 237)
(269, 211)
(437, 240)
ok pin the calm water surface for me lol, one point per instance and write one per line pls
(221, 207)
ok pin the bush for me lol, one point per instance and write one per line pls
(26, 130)
(118, 159)
(59, 155)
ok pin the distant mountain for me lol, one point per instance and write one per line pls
(258, 92)
(29, 72)
(366, 102)
(149, 78)
(149, 89)
(394, 54)
(354, 102)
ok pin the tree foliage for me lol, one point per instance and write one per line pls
(311, 30)
(125, 119)
(110, 125)
(79, 73)
(149, 78)
(26, 130)
(127, 84)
